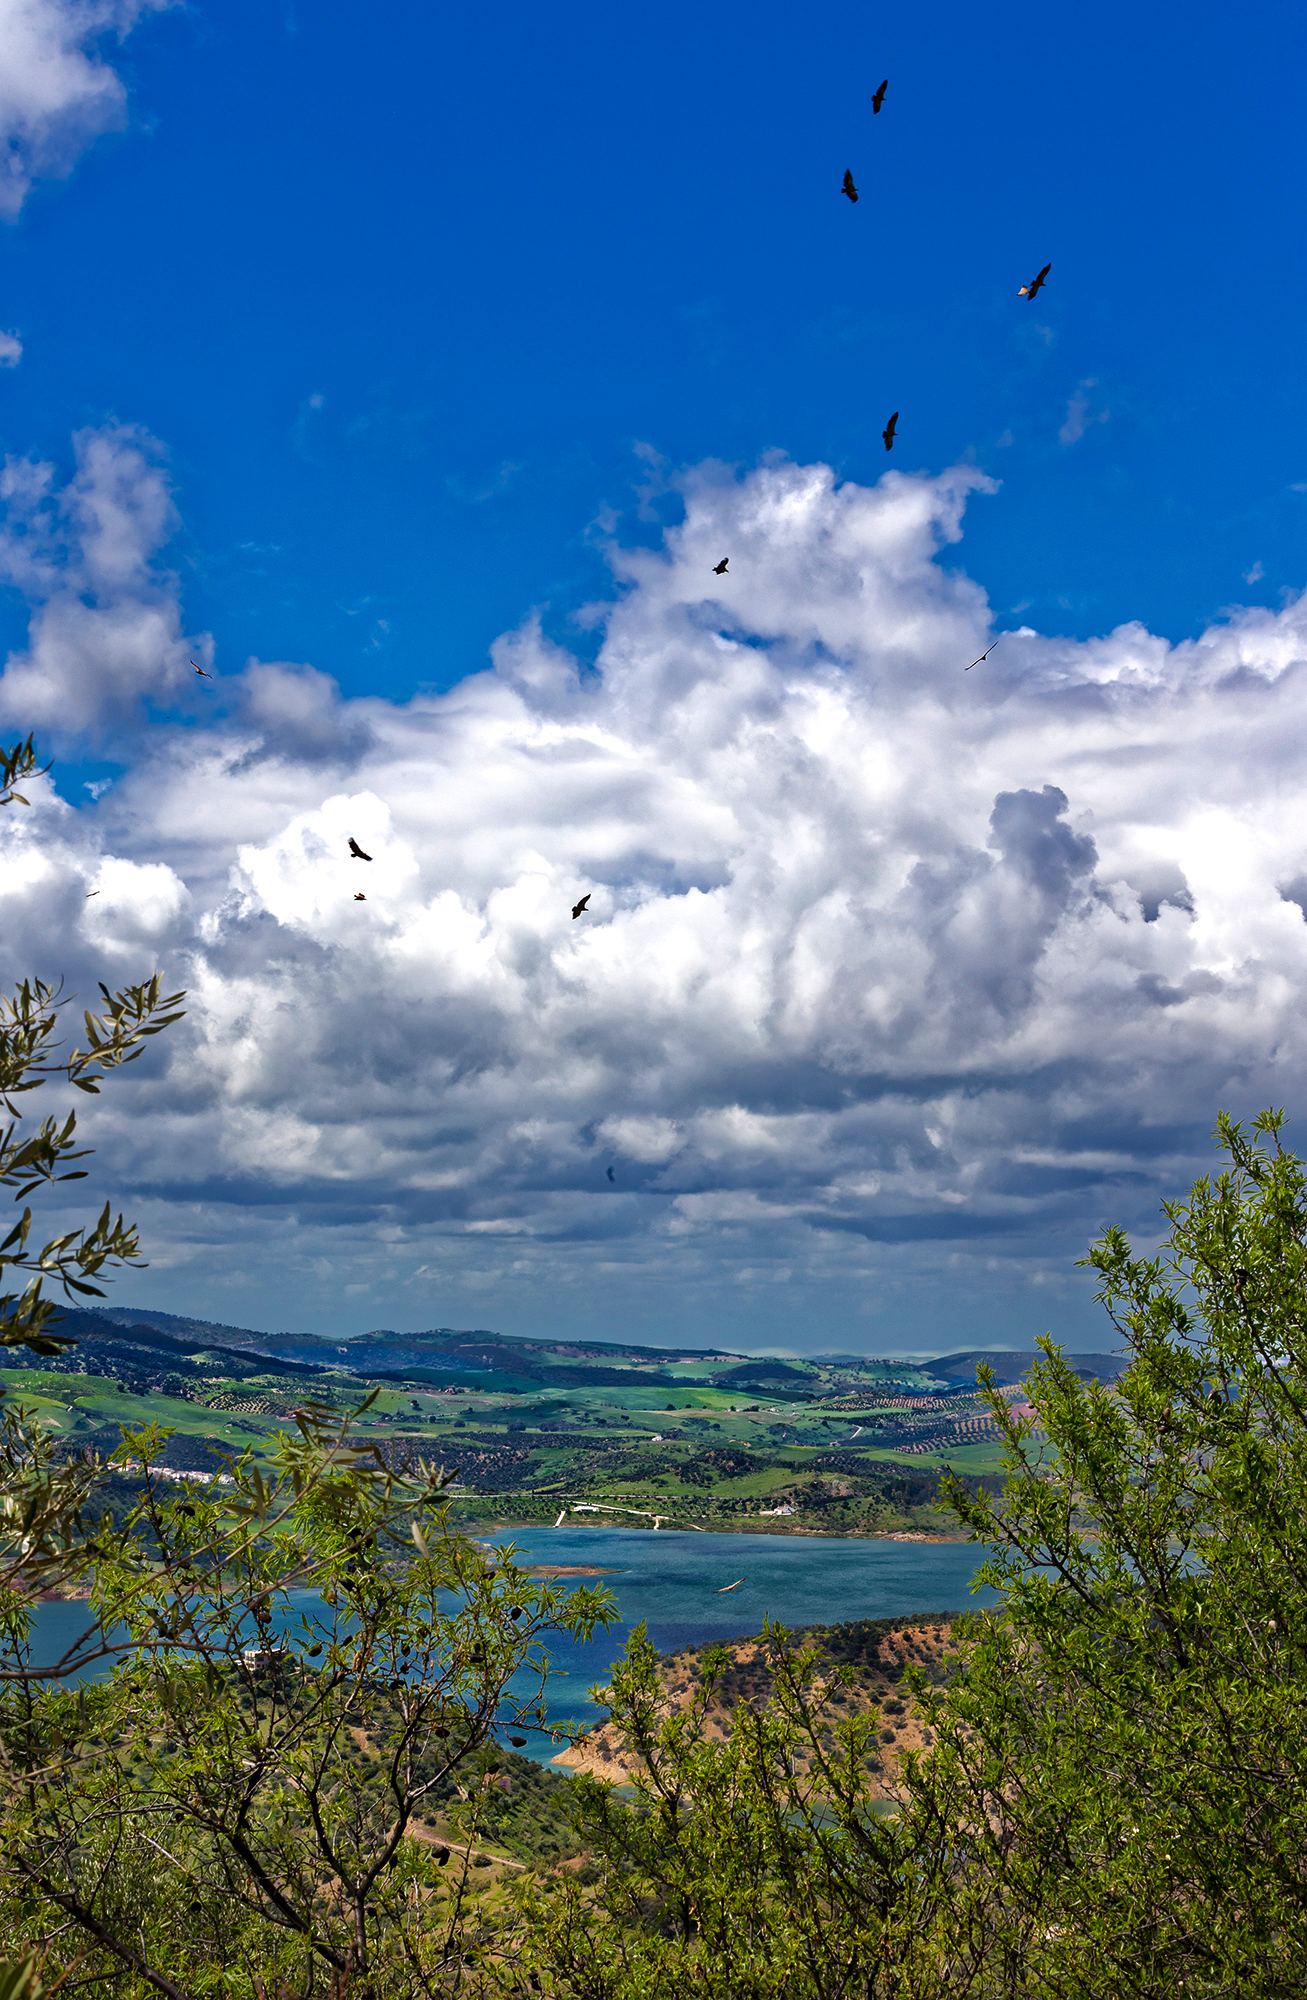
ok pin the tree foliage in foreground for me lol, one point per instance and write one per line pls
(304, 1662)
(1116, 1799)
(29, 1019)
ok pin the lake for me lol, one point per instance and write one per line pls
(671, 1581)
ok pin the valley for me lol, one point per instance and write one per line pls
(540, 1431)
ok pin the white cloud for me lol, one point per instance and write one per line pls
(894, 978)
(1255, 574)
(1080, 414)
(136, 904)
(651, 1141)
(105, 632)
(11, 350)
(57, 94)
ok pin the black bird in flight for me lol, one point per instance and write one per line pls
(200, 671)
(578, 907)
(611, 1175)
(849, 188)
(985, 655)
(1028, 291)
(719, 569)
(888, 432)
(359, 896)
(357, 851)
(879, 98)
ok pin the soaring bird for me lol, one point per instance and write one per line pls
(1028, 291)
(359, 896)
(879, 98)
(200, 671)
(357, 851)
(611, 1175)
(985, 655)
(849, 188)
(578, 907)
(888, 432)
(729, 1586)
(719, 569)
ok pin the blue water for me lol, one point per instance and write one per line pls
(671, 1581)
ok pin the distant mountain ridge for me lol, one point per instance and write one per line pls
(1009, 1367)
(480, 1358)
(95, 1327)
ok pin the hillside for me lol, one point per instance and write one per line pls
(861, 1672)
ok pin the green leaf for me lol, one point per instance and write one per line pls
(20, 1980)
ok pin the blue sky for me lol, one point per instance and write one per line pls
(410, 327)
(400, 300)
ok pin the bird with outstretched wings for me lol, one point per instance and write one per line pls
(357, 851)
(359, 896)
(729, 1586)
(578, 907)
(985, 655)
(1028, 291)
(719, 569)
(879, 98)
(201, 672)
(888, 433)
(849, 189)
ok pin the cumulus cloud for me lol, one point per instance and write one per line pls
(895, 983)
(105, 632)
(57, 93)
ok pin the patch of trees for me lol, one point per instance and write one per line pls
(726, 1461)
(493, 1469)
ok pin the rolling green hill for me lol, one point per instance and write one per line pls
(832, 1443)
